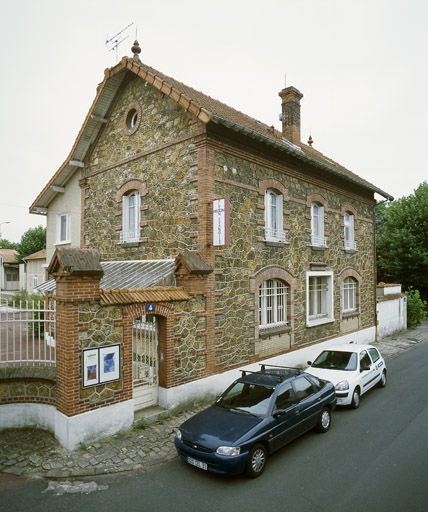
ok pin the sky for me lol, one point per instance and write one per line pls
(361, 65)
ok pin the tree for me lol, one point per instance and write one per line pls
(6, 244)
(402, 243)
(33, 240)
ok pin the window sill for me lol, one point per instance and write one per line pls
(266, 332)
(319, 321)
(318, 247)
(349, 251)
(350, 314)
(133, 243)
(274, 243)
(64, 242)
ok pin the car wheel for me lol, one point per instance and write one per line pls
(355, 398)
(324, 421)
(382, 382)
(256, 461)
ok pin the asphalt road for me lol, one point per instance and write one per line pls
(372, 459)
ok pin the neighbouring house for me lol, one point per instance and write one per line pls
(251, 243)
(35, 272)
(9, 270)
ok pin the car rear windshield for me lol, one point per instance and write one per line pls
(335, 360)
(246, 398)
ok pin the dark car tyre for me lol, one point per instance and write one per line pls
(324, 420)
(382, 382)
(256, 461)
(355, 398)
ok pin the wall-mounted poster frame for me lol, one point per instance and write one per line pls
(109, 363)
(91, 367)
(100, 365)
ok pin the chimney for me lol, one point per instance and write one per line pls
(290, 116)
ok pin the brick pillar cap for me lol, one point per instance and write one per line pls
(68, 261)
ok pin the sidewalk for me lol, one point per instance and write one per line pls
(33, 452)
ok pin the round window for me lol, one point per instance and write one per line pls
(132, 118)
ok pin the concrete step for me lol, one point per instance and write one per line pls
(150, 415)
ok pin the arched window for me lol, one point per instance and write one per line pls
(349, 295)
(349, 231)
(273, 298)
(131, 217)
(274, 230)
(317, 225)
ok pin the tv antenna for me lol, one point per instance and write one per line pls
(113, 42)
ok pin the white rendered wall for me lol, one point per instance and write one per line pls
(215, 384)
(64, 202)
(27, 415)
(105, 421)
(391, 316)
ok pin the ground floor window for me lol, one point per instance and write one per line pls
(349, 295)
(319, 298)
(273, 296)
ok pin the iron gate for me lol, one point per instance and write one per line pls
(145, 361)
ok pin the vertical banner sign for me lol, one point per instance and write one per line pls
(220, 222)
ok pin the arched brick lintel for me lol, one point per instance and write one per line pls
(349, 272)
(271, 272)
(271, 183)
(129, 186)
(348, 208)
(316, 198)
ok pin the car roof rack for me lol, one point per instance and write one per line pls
(263, 371)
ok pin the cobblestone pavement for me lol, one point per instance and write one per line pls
(33, 452)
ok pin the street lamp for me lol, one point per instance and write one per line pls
(7, 222)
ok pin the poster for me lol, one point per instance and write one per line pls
(109, 363)
(90, 367)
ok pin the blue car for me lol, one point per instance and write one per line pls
(258, 414)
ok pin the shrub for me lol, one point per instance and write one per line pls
(416, 308)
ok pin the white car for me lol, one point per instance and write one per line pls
(353, 369)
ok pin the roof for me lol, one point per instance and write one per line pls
(39, 255)
(165, 294)
(75, 261)
(125, 275)
(205, 108)
(193, 262)
(9, 255)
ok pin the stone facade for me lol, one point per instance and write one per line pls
(179, 167)
(27, 384)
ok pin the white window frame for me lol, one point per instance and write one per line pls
(273, 303)
(349, 231)
(349, 295)
(325, 308)
(317, 225)
(67, 239)
(130, 221)
(35, 281)
(274, 224)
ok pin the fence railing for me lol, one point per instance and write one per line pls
(27, 332)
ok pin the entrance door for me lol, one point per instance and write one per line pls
(145, 361)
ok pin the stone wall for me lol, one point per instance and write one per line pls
(162, 155)
(239, 180)
(27, 384)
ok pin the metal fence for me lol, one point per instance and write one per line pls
(27, 332)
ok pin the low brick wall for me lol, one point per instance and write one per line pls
(27, 384)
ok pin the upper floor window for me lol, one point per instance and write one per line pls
(349, 232)
(63, 228)
(319, 297)
(130, 217)
(349, 295)
(317, 225)
(273, 296)
(274, 230)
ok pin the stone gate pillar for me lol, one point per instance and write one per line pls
(86, 407)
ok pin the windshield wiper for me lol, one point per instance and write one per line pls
(242, 411)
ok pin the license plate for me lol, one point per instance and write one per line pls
(197, 463)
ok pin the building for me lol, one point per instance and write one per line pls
(271, 242)
(35, 270)
(9, 270)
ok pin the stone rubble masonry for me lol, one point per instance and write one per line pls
(180, 168)
(35, 384)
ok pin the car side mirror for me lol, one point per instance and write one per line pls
(309, 363)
